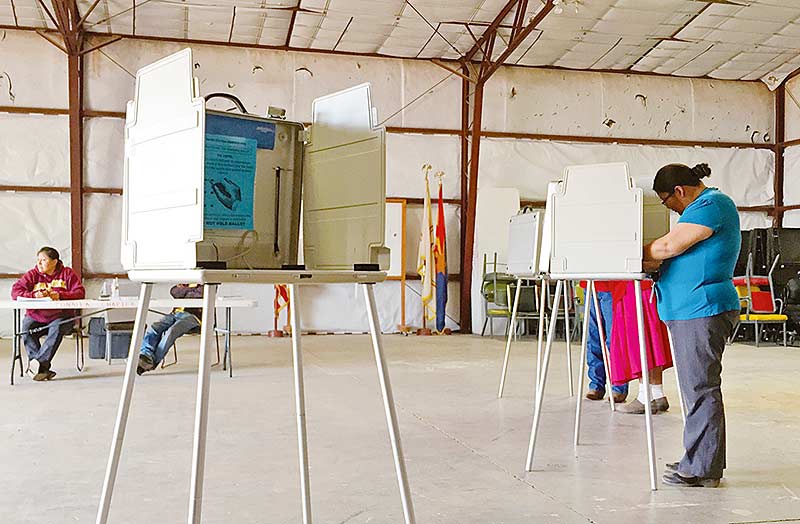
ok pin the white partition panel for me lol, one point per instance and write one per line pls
(163, 185)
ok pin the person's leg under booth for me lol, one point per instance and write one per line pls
(152, 338)
(698, 346)
(184, 323)
(594, 351)
(163, 334)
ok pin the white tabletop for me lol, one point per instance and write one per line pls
(124, 303)
(256, 276)
(598, 276)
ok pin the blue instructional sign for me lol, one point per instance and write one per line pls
(262, 132)
(230, 174)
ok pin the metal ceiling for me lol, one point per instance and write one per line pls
(727, 39)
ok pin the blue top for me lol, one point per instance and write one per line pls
(699, 282)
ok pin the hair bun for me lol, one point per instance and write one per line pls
(701, 171)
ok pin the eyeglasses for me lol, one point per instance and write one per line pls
(664, 200)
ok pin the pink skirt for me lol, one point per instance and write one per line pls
(625, 359)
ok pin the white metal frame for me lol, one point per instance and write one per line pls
(211, 280)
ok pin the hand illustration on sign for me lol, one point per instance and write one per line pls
(227, 192)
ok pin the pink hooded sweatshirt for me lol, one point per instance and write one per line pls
(64, 281)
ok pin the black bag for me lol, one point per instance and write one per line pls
(791, 292)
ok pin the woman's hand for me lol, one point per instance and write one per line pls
(651, 266)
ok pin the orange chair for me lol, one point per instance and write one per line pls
(757, 296)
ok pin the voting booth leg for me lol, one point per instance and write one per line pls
(508, 339)
(568, 337)
(582, 365)
(201, 406)
(540, 341)
(300, 402)
(677, 377)
(388, 405)
(228, 353)
(537, 410)
(601, 333)
(648, 416)
(124, 403)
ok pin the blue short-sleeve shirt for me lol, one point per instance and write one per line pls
(699, 282)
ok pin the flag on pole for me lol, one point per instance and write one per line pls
(281, 300)
(425, 259)
(440, 255)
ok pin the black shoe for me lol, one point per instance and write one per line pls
(145, 364)
(676, 479)
(41, 376)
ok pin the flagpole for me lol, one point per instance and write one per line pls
(440, 258)
(424, 264)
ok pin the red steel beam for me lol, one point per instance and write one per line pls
(75, 73)
(517, 40)
(464, 286)
(780, 137)
(491, 31)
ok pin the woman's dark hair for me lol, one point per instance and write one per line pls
(672, 175)
(50, 252)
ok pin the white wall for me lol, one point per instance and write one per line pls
(517, 100)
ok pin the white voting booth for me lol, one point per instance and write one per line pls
(171, 233)
(599, 224)
(529, 246)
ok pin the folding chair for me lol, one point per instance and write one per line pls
(757, 296)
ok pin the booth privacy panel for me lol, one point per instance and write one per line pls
(345, 184)
(598, 221)
(163, 180)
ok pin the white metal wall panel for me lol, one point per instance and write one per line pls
(30, 221)
(33, 73)
(104, 152)
(34, 150)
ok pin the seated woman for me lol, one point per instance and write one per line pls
(624, 352)
(49, 279)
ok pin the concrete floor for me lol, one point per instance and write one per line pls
(465, 449)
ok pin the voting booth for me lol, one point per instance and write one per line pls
(220, 190)
(600, 222)
(212, 198)
(524, 236)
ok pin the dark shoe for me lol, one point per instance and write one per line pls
(619, 398)
(673, 478)
(672, 467)
(41, 376)
(637, 408)
(595, 394)
(661, 405)
(145, 364)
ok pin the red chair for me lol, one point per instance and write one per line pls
(757, 296)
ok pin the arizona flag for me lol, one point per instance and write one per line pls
(440, 255)
(281, 299)
(425, 267)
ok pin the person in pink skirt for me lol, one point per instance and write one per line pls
(624, 351)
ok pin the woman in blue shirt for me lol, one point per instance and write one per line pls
(699, 304)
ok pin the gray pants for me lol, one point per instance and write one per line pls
(698, 346)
